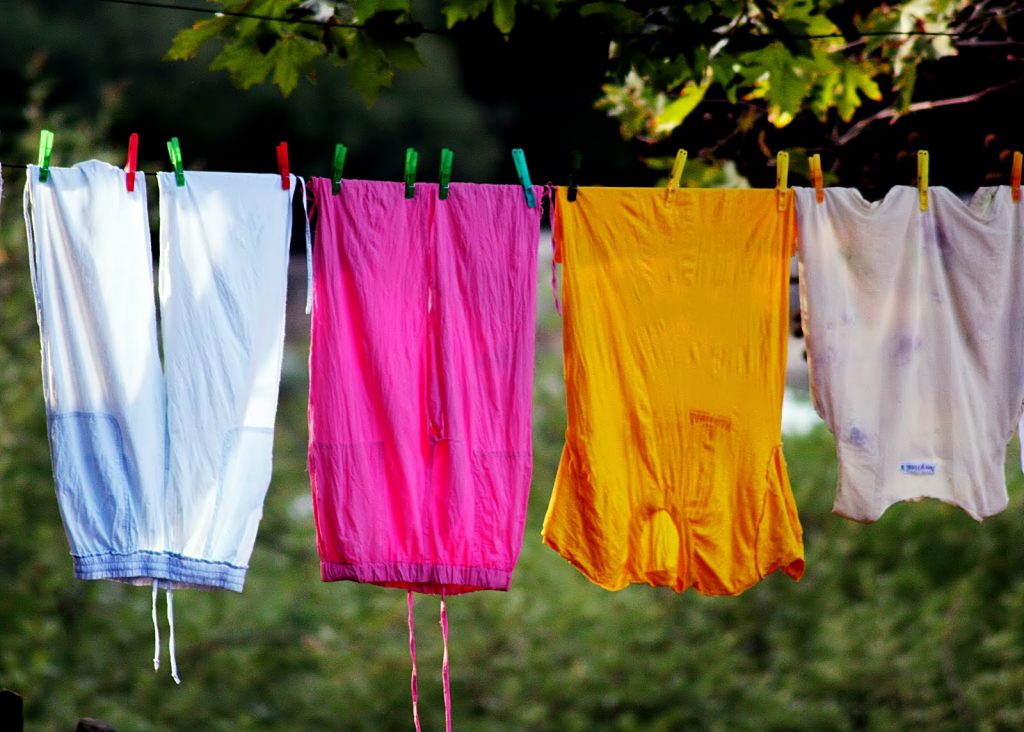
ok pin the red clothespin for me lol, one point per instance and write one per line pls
(282, 165)
(133, 156)
(1018, 159)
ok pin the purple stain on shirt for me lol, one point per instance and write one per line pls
(857, 437)
(903, 347)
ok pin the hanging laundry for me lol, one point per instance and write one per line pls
(92, 275)
(156, 484)
(224, 240)
(675, 331)
(421, 366)
(915, 339)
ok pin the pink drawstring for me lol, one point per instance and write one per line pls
(413, 686)
(551, 196)
(444, 669)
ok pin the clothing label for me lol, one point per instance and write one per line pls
(917, 468)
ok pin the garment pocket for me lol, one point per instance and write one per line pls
(350, 500)
(95, 487)
(711, 458)
(245, 466)
(501, 488)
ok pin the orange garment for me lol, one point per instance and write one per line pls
(675, 330)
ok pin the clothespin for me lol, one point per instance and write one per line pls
(174, 151)
(577, 160)
(1018, 159)
(519, 158)
(337, 167)
(817, 180)
(922, 178)
(282, 165)
(782, 178)
(133, 156)
(676, 175)
(411, 159)
(445, 177)
(45, 148)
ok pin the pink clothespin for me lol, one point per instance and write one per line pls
(133, 155)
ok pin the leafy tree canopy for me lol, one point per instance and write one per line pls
(840, 62)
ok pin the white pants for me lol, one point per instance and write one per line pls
(160, 478)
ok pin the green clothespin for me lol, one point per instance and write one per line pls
(340, 151)
(519, 158)
(45, 148)
(411, 159)
(174, 150)
(447, 156)
(577, 161)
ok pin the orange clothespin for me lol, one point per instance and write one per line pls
(282, 165)
(1018, 159)
(133, 155)
(782, 178)
(922, 178)
(676, 175)
(817, 180)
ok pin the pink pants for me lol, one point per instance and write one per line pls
(421, 366)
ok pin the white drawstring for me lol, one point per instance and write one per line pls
(309, 250)
(170, 621)
(156, 629)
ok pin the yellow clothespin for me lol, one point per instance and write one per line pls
(676, 175)
(817, 180)
(1018, 159)
(922, 178)
(782, 178)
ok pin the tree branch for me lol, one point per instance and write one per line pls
(893, 113)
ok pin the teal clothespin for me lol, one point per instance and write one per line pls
(340, 151)
(45, 148)
(519, 158)
(447, 156)
(411, 159)
(577, 161)
(174, 150)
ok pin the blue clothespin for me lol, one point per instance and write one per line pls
(174, 150)
(447, 156)
(577, 160)
(411, 159)
(519, 158)
(340, 151)
(45, 148)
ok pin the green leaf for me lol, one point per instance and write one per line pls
(700, 11)
(676, 111)
(456, 11)
(855, 81)
(402, 54)
(504, 12)
(368, 69)
(364, 9)
(246, 66)
(290, 57)
(188, 41)
(616, 12)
